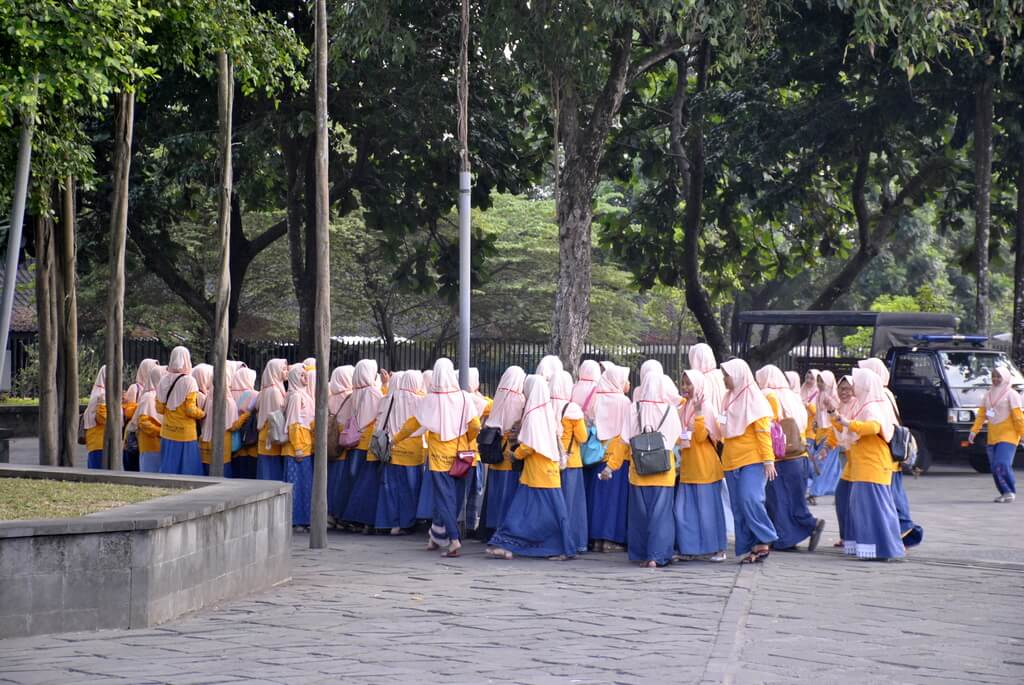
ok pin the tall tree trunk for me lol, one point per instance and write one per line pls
(68, 325)
(225, 102)
(113, 438)
(46, 306)
(982, 199)
(318, 527)
(1018, 270)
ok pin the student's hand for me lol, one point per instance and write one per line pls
(970, 437)
(769, 470)
(843, 421)
(606, 474)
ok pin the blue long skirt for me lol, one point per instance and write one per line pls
(611, 504)
(269, 467)
(362, 503)
(180, 457)
(149, 462)
(589, 481)
(399, 495)
(501, 487)
(700, 519)
(536, 525)
(746, 494)
(575, 495)
(446, 502)
(911, 533)
(829, 469)
(425, 507)
(875, 527)
(787, 506)
(299, 472)
(339, 487)
(96, 459)
(1000, 461)
(471, 492)
(843, 512)
(243, 466)
(652, 527)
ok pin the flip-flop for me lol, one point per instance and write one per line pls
(451, 554)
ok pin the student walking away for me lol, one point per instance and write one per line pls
(699, 516)
(702, 359)
(505, 416)
(358, 419)
(537, 522)
(94, 420)
(129, 405)
(243, 391)
(583, 392)
(270, 420)
(873, 526)
(611, 495)
(825, 452)
(549, 366)
(147, 422)
(1001, 409)
(652, 429)
(177, 399)
(572, 431)
(234, 420)
(402, 474)
(912, 533)
(785, 497)
(339, 483)
(793, 378)
(748, 460)
(300, 412)
(447, 416)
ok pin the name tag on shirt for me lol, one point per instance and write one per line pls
(686, 435)
(721, 419)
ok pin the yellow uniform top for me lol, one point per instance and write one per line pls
(364, 440)
(574, 432)
(538, 470)
(441, 453)
(300, 442)
(754, 446)
(206, 448)
(616, 457)
(869, 459)
(180, 423)
(269, 450)
(94, 435)
(616, 450)
(149, 434)
(699, 462)
(1011, 430)
(128, 409)
(410, 452)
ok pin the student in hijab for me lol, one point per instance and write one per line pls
(403, 475)
(146, 423)
(298, 451)
(1001, 409)
(874, 526)
(361, 413)
(794, 381)
(243, 391)
(748, 460)
(826, 453)
(699, 516)
(129, 404)
(651, 534)
(611, 495)
(842, 439)
(549, 366)
(177, 399)
(94, 420)
(502, 481)
(447, 416)
(271, 402)
(233, 422)
(572, 431)
(537, 523)
(785, 498)
(702, 359)
(584, 391)
(912, 533)
(203, 373)
(339, 480)
(474, 483)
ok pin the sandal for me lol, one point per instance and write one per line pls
(749, 559)
(451, 554)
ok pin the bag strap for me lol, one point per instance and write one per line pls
(572, 435)
(343, 403)
(590, 396)
(388, 416)
(171, 389)
(663, 417)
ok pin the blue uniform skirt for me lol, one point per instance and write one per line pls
(180, 457)
(536, 525)
(874, 526)
(589, 481)
(149, 462)
(269, 467)
(787, 506)
(471, 494)
(829, 469)
(1000, 461)
(339, 486)
(843, 509)
(445, 516)
(243, 466)
(299, 472)
(700, 519)
(96, 459)
(911, 533)
(399, 495)
(362, 503)
(425, 507)
(575, 495)
(501, 487)
(611, 503)
(652, 526)
(746, 495)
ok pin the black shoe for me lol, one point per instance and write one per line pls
(816, 535)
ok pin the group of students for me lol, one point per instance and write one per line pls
(732, 451)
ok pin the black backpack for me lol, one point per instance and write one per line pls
(491, 445)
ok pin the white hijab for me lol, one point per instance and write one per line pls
(446, 410)
(539, 429)
(97, 396)
(689, 412)
(300, 409)
(401, 401)
(703, 359)
(561, 400)
(549, 366)
(180, 364)
(612, 407)
(1001, 399)
(366, 395)
(583, 391)
(147, 403)
(272, 394)
(652, 404)
(771, 380)
(745, 403)
(509, 400)
(339, 387)
(872, 403)
(230, 416)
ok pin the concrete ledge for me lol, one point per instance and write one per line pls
(141, 564)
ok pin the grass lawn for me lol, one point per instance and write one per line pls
(34, 498)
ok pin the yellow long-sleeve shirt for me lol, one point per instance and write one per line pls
(1011, 430)
(410, 452)
(869, 459)
(754, 446)
(508, 450)
(206, 448)
(149, 434)
(699, 462)
(574, 433)
(180, 423)
(441, 453)
(300, 442)
(265, 447)
(94, 435)
(364, 440)
(538, 470)
(616, 457)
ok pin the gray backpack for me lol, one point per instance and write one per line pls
(647, 449)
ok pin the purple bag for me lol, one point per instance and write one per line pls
(778, 439)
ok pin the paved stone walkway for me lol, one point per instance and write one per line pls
(382, 610)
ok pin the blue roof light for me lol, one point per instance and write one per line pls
(970, 339)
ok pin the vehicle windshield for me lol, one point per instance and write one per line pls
(969, 373)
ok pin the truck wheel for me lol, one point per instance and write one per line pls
(924, 455)
(979, 462)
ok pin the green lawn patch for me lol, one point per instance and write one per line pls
(33, 498)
